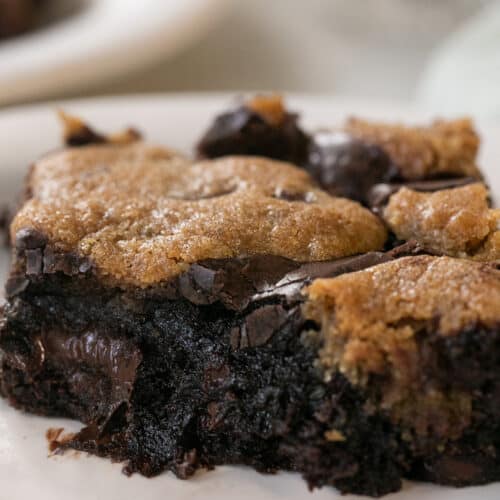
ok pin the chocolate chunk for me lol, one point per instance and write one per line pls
(30, 238)
(200, 285)
(34, 261)
(291, 283)
(246, 132)
(64, 262)
(16, 285)
(261, 324)
(118, 357)
(238, 282)
(78, 133)
(348, 167)
(83, 137)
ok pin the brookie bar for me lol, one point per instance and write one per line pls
(175, 309)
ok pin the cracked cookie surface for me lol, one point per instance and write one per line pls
(142, 214)
(441, 149)
(456, 222)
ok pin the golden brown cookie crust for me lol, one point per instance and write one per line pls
(370, 316)
(456, 222)
(372, 323)
(143, 213)
(442, 148)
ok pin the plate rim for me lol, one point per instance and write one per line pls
(37, 76)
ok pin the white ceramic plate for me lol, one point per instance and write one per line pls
(99, 39)
(26, 470)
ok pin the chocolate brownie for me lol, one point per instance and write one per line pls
(231, 312)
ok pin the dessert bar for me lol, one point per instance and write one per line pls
(231, 311)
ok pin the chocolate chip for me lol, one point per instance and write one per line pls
(200, 285)
(30, 238)
(16, 285)
(84, 136)
(34, 261)
(65, 262)
(348, 167)
(244, 131)
(261, 324)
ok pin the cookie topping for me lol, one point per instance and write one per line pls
(78, 133)
(442, 149)
(143, 214)
(370, 317)
(379, 327)
(456, 222)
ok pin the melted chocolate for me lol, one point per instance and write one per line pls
(238, 282)
(348, 167)
(118, 358)
(235, 283)
(243, 131)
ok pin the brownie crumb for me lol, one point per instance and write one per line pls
(77, 133)
(53, 434)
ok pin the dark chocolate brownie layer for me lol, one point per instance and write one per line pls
(165, 381)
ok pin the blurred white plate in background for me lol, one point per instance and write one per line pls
(463, 74)
(101, 38)
(26, 471)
